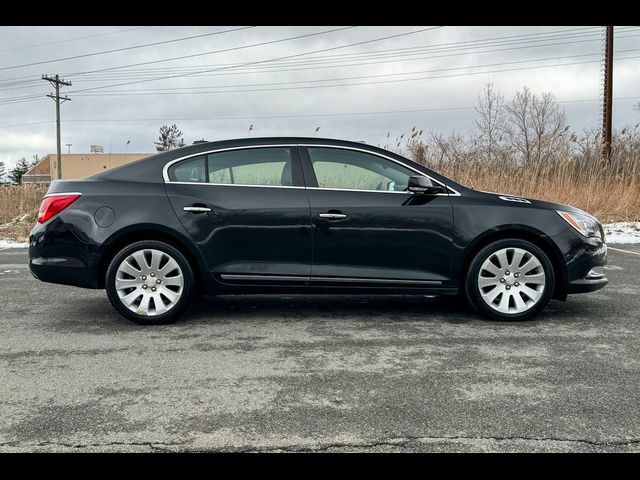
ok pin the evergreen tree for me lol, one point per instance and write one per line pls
(169, 138)
(21, 168)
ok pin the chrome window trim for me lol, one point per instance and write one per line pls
(165, 169)
(235, 185)
(363, 150)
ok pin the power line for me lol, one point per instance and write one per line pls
(172, 89)
(182, 57)
(55, 42)
(475, 44)
(103, 52)
(110, 94)
(268, 60)
(269, 117)
(253, 69)
(9, 85)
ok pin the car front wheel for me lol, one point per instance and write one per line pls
(510, 279)
(149, 282)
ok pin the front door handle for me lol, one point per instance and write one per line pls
(195, 209)
(333, 216)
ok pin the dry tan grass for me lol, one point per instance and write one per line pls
(573, 172)
(19, 210)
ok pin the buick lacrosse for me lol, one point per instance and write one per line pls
(306, 215)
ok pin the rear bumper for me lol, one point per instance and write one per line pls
(56, 255)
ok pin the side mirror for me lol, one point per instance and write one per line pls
(424, 185)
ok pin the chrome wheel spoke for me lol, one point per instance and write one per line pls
(518, 255)
(156, 258)
(491, 268)
(531, 293)
(521, 306)
(159, 305)
(142, 262)
(156, 292)
(124, 283)
(484, 282)
(530, 265)
(503, 306)
(129, 298)
(491, 295)
(501, 255)
(143, 306)
(537, 278)
(176, 281)
(129, 269)
(170, 295)
(169, 267)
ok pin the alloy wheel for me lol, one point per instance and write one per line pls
(511, 280)
(149, 282)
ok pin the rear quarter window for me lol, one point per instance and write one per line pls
(192, 170)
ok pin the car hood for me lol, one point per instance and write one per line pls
(532, 202)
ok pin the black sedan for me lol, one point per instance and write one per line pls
(306, 215)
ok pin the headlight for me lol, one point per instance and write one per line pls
(585, 224)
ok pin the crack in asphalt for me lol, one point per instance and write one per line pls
(402, 442)
(153, 445)
(406, 441)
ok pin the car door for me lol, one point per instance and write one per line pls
(248, 212)
(367, 229)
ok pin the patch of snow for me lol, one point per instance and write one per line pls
(622, 232)
(10, 244)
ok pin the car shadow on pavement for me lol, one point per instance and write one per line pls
(292, 308)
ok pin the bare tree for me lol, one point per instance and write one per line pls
(490, 124)
(536, 125)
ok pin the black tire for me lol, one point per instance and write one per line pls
(187, 289)
(474, 295)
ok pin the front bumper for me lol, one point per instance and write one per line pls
(56, 255)
(593, 281)
(584, 258)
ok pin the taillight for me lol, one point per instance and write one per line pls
(54, 204)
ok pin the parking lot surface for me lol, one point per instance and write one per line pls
(318, 373)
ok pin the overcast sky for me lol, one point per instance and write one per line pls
(429, 78)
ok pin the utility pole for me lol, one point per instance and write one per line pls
(56, 82)
(608, 95)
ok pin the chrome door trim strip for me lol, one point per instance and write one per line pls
(304, 278)
(165, 169)
(286, 278)
(374, 280)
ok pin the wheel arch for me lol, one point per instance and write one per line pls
(129, 235)
(521, 232)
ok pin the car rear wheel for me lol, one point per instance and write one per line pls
(150, 282)
(510, 279)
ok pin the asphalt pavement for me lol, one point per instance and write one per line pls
(318, 373)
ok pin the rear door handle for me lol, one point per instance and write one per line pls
(333, 216)
(195, 209)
